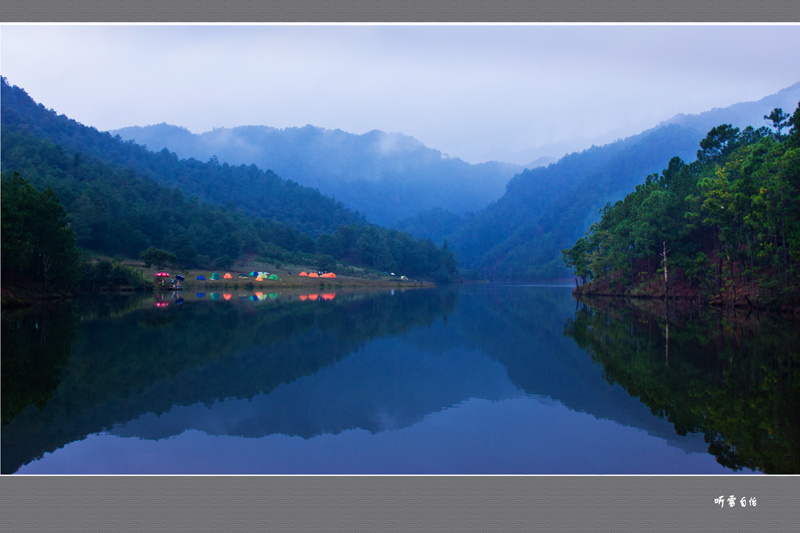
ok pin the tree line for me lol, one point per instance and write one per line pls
(726, 225)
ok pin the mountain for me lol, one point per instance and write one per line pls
(254, 191)
(386, 176)
(121, 198)
(544, 210)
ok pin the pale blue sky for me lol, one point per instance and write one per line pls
(478, 92)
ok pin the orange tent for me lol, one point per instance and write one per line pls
(227, 276)
(227, 296)
(329, 275)
(329, 296)
(259, 278)
(303, 297)
(303, 274)
(313, 275)
(313, 296)
(259, 294)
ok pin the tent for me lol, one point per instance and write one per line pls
(329, 275)
(313, 296)
(215, 276)
(272, 295)
(403, 278)
(201, 294)
(254, 273)
(227, 276)
(215, 296)
(242, 276)
(329, 296)
(274, 277)
(201, 277)
(303, 274)
(313, 275)
(227, 296)
(303, 297)
(259, 278)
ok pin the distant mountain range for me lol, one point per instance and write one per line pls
(386, 176)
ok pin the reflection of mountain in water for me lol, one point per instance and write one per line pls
(152, 359)
(394, 383)
(388, 384)
(379, 363)
(523, 330)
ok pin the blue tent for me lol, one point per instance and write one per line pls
(201, 277)
(200, 294)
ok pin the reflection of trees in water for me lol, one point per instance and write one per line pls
(203, 352)
(728, 376)
(35, 347)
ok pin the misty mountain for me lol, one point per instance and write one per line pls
(260, 193)
(544, 210)
(386, 176)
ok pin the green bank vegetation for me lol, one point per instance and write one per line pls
(723, 229)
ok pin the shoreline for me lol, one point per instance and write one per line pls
(24, 299)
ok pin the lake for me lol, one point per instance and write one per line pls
(472, 379)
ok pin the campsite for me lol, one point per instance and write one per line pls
(267, 276)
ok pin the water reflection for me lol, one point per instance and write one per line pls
(148, 359)
(726, 375)
(303, 374)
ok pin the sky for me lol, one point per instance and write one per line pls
(477, 92)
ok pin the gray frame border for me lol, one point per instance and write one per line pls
(399, 11)
(402, 503)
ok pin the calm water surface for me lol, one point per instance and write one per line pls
(474, 379)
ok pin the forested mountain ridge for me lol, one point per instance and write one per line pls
(116, 209)
(521, 235)
(263, 194)
(387, 176)
(724, 229)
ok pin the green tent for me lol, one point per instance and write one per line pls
(274, 277)
(215, 276)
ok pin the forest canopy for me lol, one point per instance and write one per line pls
(727, 222)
